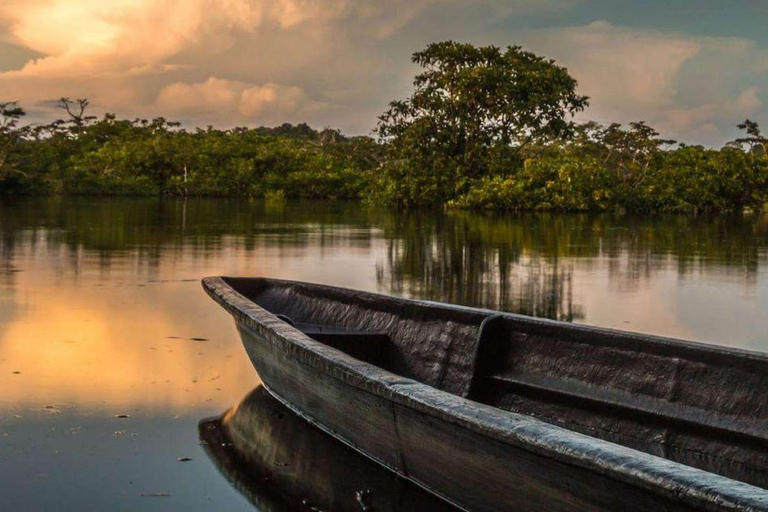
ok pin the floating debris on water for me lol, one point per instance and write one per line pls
(122, 416)
(155, 495)
(183, 338)
(184, 459)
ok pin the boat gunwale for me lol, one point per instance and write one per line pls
(676, 481)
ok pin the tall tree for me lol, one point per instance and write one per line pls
(755, 140)
(10, 135)
(75, 109)
(473, 108)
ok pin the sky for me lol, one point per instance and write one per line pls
(693, 70)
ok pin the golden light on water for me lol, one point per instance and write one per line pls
(106, 331)
(84, 342)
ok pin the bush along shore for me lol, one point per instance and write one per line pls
(484, 128)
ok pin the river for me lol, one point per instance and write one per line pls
(111, 353)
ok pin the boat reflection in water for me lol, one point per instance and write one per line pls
(280, 462)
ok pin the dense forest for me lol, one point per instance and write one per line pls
(485, 128)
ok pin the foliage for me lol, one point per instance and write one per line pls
(484, 128)
(755, 140)
(471, 111)
(142, 157)
(600, 176)
(11, 135)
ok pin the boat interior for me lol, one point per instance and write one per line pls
(701, 406)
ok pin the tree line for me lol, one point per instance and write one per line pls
(484, 128)
(84, 155)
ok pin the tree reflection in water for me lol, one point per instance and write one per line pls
(525, 262)
(516, 262)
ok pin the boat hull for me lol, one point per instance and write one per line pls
(476, 456)
(469, 470)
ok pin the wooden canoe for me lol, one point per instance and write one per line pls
(495, 411)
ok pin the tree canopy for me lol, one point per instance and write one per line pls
(471, 112)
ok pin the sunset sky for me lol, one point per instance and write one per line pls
(691, 69)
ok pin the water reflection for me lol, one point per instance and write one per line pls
(525, 263)
(281, 463)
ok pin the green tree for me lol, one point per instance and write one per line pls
(12, 176)
(10, 133)
(755, 140)
(75, 109)
(472, 110)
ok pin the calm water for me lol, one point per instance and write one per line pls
(102, 315)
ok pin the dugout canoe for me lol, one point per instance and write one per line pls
(496, 411)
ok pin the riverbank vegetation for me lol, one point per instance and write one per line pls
(485, 128)
(144, 157)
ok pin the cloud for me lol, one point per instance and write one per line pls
(692, 88)
(748, 101)
(339, 62)
(129, 35)
(229, 102)
(14, 56)
(126, 55)
(705, 122)
(620, 68)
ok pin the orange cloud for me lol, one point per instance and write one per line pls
(143, 55)
(232, 100)
(122, 35)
